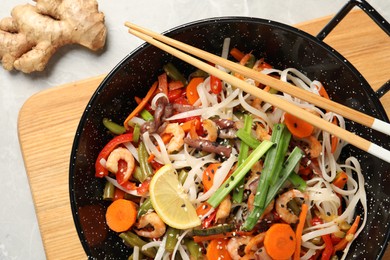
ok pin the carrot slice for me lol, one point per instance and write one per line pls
(297, 126)
(192, 92)
(217, 250)
(208, 175)
(121, 215)
(279, 241)
(237, 54)
(299, 230)
(141, 105)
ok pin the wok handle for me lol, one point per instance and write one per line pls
(373, 14)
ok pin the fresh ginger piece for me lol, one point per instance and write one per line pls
(32, 34)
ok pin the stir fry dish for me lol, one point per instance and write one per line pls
(202, 170)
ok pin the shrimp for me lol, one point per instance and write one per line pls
(267, 210)
(120, 153)
(281, 205)
(315, 147)
(211, 129)
(262, 134)
(254, 243)
(235, 246)
(177, 140)
(157, 229)
(224, 208)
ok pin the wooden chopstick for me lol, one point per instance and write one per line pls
(318, 122)
(277, 84)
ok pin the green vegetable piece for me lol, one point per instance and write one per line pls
(146, 115)
(251, 61)
(172, 235)
(287, 168)
(194, 249)
(214, 230)
(174, 73)
(133, 240)
(239, 174)
(183, 176)
(109, 191)
(138, 174)
(113, 127)
(297, 181)
(247, 138)
(145, 208)
(136, 133)
(143, 155)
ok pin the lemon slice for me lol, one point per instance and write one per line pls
(170, 201)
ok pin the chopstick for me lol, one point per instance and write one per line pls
(274, 83)
(343, 134)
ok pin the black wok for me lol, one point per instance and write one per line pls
(282, 46)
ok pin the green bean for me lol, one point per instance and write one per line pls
(183, 176)
(145, 207)
(174, 73)
(251, 61)
(143, 155)
(198, 74)
(133, 240)
(238, 174)
(136, 133)
(138, 175)
(172, 235)
(214, 230)
(113, 127)
(194, 249)
(288, 167)
(109, 191)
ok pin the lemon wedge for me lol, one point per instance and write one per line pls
(170, 201)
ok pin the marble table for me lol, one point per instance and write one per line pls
(19, 232)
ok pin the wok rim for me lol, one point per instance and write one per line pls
(364, 86)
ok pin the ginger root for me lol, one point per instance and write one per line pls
(32, 34)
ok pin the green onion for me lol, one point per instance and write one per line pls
(297, 181)
(287, 168)
(174, 73)
(238, 192)
(247, 138)
(239, 174)
(273, 162)
(113, 127)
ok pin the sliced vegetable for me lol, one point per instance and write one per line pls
(194, 249)
(174, 73)
(121, 215)
(349, 236)
(238, 174)
(146, 115)
(113, 127)
(136, 133)
(133, 240)
(145, 207)
(163, 84)
(299, 230)
(100, 170)
(146, 168)
(340, 180)
(141, 105)
(297, 126)
(172, 235)
(208, 175)
(247, 138)
(328, 250)
(279, 241)
(109, 191)
(216, 250)
(215, 84)
(199, 239)
(219, 229)
(237, 54)
(297, 181)
(191, 91)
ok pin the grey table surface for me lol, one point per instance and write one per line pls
(19, 232)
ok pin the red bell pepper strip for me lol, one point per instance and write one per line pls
(100, 171)
(328, 251)
(215, 84)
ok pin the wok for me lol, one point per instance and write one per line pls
(282, 46)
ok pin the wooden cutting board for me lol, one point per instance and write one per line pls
(48, 122)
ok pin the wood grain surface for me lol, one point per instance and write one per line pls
(48, 121)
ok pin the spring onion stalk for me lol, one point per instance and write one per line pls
(273, 163)
(113, 127)
(172, 235)
(133, 240)
(247, 138)
(297, 181)
(146, 115)
(174, 73)
(239, 174)
(287, 169)
(238, 192)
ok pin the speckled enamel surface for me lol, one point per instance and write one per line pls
(283, 47)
